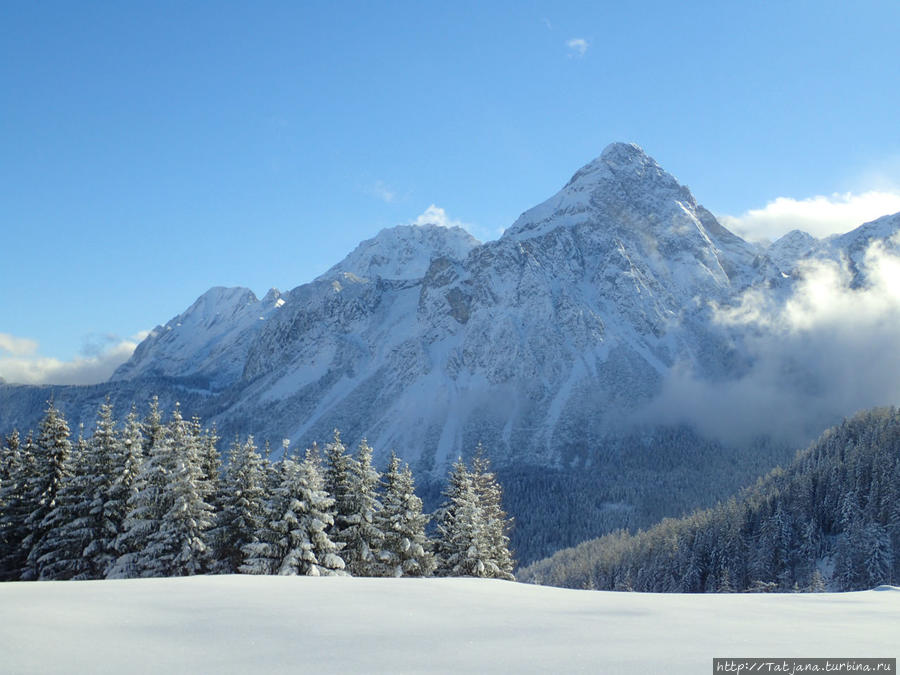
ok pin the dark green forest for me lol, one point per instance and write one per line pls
(830, 520)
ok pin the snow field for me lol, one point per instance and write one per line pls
(255, 624)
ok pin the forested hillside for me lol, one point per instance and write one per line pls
(831, 519)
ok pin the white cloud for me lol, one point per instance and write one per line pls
(435, 215)
(825, 352)
(96, 365)
(17, 346)
(577, 46)
(382, 191)
(820, 216)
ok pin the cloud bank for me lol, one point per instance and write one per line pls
(820, 216)
(21, 363)
(823, 353)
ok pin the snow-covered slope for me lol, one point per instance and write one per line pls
(248, 625)
(210, 338)
(565, 323)
(404, 252)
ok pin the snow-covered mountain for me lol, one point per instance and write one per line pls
(210, 338)
(539, 344)
(548, 345)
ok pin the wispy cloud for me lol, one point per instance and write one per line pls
(100, 355)
(577, 47)
(382, 191)
(820, 216)
(547, 23)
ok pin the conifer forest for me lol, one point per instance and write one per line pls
(150, 497)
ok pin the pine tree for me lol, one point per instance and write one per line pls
(168, 520)
(362, 538)
(145, 509)
(124, 480)
(178, 547)
(58, 554)
(20, 471)
(497, 523)
(210, 463)
(463, 545)
(878, 556)
(405, 549)
(292, 538)
(338, 484)
(243, 497)
(152, 426)
(816, 583)
(51, 469)
(104, 518)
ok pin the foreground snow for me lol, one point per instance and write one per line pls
(250, 624)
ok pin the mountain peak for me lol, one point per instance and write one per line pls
(405, 251)
(617, 152)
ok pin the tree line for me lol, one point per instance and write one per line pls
(151, 498)
(831, 520)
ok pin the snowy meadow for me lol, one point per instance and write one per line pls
(270, 624)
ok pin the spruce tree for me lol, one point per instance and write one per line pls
(292, 538)
(405, 551)
(497, 524)
(362, 538)
(124, 480)
(178, 547)
(51, 469)
(168, 519)
(463, 544)
(104, 518)
(59, 554)
(152, 426)
(338, 484)
(20, 471)
(243, 501)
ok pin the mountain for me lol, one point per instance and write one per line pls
(210, 338)
(548, 345)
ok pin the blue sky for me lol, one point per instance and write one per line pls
(153, 150)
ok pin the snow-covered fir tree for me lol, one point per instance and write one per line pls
(104, 517)
(19, 473)
(242, 504)
(338, 476)
(463, 545)
(178, 547)
(168, 520)
(405, 551)
(51, 469)
(362, 538)
(123, 487)
(152, 426)
(59, 554)
(210, 462)
(497, 523)
(293, 537)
